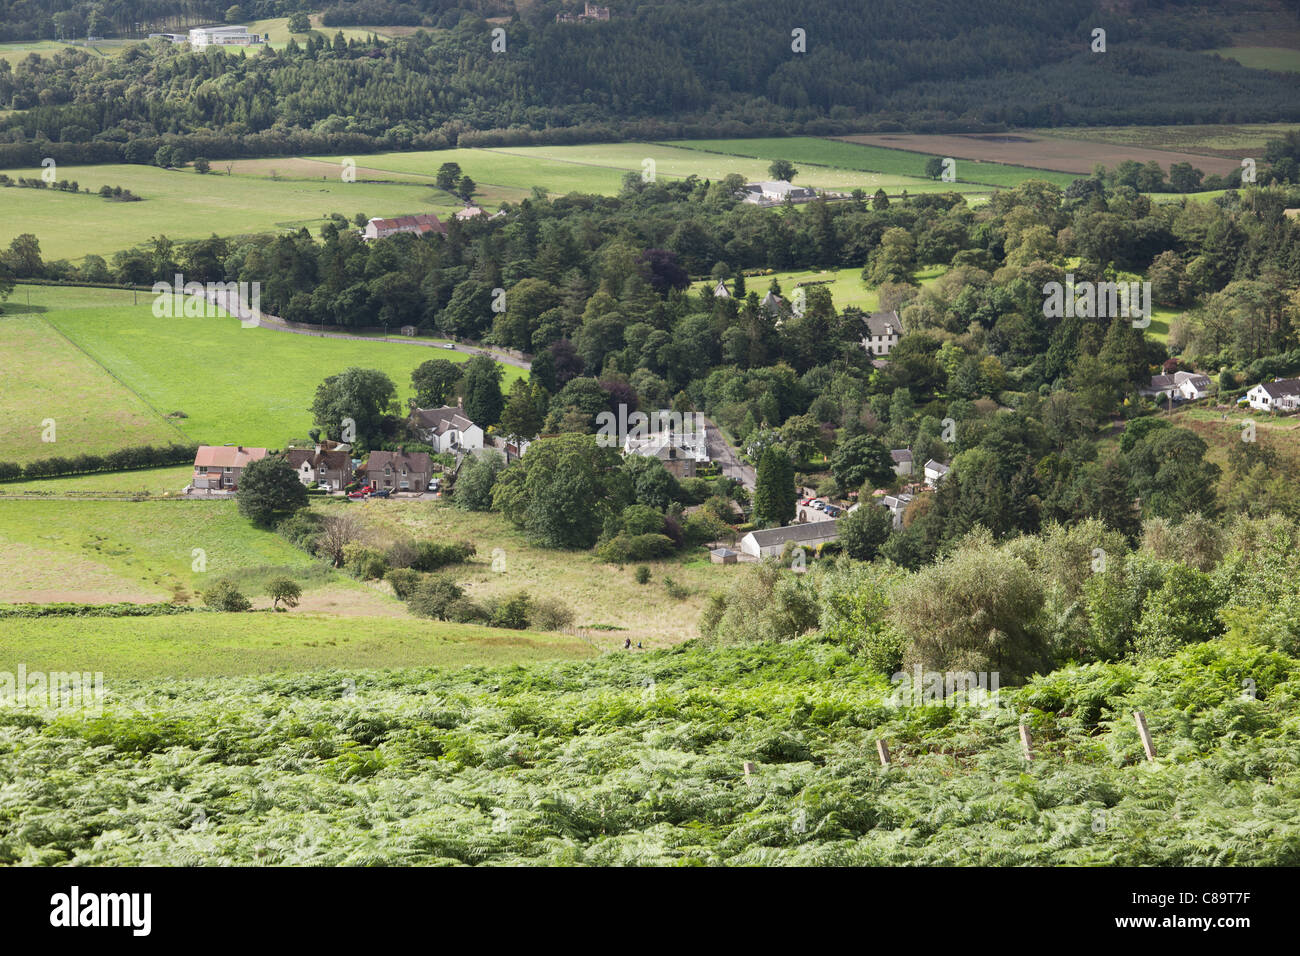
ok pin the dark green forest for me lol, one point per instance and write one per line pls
(719, 67)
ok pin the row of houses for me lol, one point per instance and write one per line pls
(217, 468)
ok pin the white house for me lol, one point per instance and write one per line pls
(771, 541)
(201, 37)
(934, 472)
(680, 451)
(447, 429)
(882, 333)
(902, 461)
(1181, 386)
(897, 504)
(1279, 395)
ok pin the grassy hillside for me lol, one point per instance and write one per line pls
(637, 759)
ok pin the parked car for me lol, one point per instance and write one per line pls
(359, 493)
(449, 345)
(435, 485)
(381, 492)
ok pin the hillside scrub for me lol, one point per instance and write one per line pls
(636, 759)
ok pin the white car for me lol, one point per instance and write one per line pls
(449, 345)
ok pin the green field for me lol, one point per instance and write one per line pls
(896, 167)
(53, 381)
(251, 386)
(150, 481)
(181, 204)
(846, 286)
(1280, 59)
(227, 645)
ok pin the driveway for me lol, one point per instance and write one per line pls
(727, 458)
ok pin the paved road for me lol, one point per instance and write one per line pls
(267, 321)
(722, 452)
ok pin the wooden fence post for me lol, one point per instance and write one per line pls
(1026, 743)
(1145, 734)
(749, 768)
(882, 749)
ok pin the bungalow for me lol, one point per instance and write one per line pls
(934, 472)
(447, 429)
(1279, 395)
(883, 330)
(399, 470)
(1181, 386)
(218, 467)
(902, 461)
(420, 225)
(771, 541)
(328, 464)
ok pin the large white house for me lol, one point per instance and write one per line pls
(201, 37)
(447, 429)
(1279, 395)
(882, 333)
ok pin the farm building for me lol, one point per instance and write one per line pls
(420, 225)
(201, 37)
(883, 330)
(1279, 395)
(770, 193)
(218, 467)
(724, 556)
(770, 542)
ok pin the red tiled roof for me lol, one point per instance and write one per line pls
(227, 456)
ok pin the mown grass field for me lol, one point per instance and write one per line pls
(182, 204)
(846, 285)
(228, 645)
(896, 168)
(151, 481)
(251, 386)
(50, 380)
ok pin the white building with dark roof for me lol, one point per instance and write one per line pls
(1279, 395)
(447, 429)
(1180, 386)
(770, 542)
(883, 330)
(902, 458)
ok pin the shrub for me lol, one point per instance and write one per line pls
(432, 555)
(284, 590)
(403, 581)
(224, 596)
(512, 612)
(623, 548)
(642, 574)
(676, 591)
(363, 561)
(434, 596)
(464, 611)
(551, 614)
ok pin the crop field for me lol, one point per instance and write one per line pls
(902, 165)
(228, 645)
(56, 392)
(1075, 155)
(251, 386)
(1230, 141)
(636, 759)
(181, 204)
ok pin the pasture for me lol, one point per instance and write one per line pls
(251, 386)
(211, 645)
(1278, 59)
(182, 204)
(896, 166)
(57, 392)
(845, 285)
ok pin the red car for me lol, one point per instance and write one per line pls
(359, 493)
